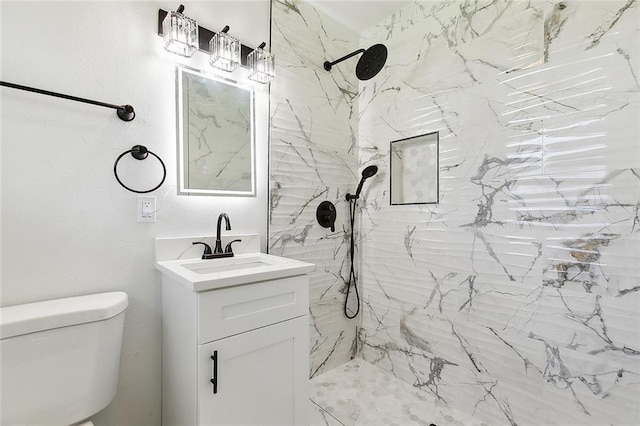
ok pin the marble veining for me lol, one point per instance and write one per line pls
(516, 299)
(313, 159)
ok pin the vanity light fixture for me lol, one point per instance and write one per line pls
(225, 51)
(180, 33)
(183, 36)
(262, 65)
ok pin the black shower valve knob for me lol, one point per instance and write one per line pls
(326, 215)
(333, 225)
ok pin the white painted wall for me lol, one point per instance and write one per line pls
(68, 228)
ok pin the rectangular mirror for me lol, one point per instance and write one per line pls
(216, 152)
(414, 170)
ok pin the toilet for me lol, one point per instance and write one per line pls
(59, 359)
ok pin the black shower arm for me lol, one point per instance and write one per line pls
(328, 65)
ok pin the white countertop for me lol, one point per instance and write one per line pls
(211, 274)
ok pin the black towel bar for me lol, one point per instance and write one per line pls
(125, 112)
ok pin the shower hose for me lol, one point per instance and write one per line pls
(352, 274)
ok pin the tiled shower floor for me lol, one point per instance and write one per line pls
(358, 393)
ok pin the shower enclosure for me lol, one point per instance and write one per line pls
(515, 298)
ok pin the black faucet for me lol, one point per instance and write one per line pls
(218, 248)
(207, 250)
(217, 251)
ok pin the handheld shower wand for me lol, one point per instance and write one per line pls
(366, 174)
(353, 199)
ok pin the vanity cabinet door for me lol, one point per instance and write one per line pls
(261, 376)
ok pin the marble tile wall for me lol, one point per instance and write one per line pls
(313, 159)
(517, 298)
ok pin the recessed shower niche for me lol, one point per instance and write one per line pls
(216, 148)
(414, 170)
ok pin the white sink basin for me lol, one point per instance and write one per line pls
(209, 274)
(207, 268)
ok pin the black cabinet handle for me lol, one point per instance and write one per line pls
(214, 381)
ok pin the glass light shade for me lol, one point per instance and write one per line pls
(225, 51)
(262, 66)
(180, 34)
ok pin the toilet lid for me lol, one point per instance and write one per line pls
(39, 316)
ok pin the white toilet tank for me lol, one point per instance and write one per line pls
(59, 359)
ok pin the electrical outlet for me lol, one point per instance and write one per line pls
(146, 209)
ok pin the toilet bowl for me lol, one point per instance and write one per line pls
(59, 359)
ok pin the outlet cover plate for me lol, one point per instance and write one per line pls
(146, 209)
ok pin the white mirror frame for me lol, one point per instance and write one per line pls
(182, 186)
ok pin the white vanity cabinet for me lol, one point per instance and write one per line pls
(235, 355)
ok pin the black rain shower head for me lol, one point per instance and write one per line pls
(366, 174)
(369, 64)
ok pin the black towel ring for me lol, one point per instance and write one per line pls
(139, 152)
